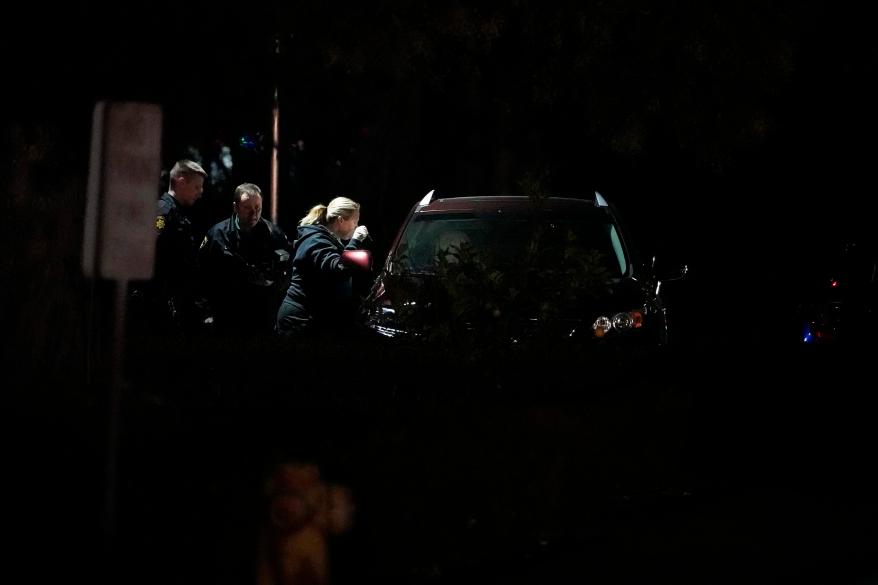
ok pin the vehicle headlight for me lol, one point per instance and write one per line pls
(385, 319)
(624, 321)
(602, 326)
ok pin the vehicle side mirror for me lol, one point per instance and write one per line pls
(668, 271)
(678, 274)
(358, 259)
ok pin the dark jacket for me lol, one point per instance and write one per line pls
(174, 287)
(320, 292)
(244, 274)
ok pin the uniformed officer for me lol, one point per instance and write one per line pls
(175, 281)
(245, 262)
(321, 297)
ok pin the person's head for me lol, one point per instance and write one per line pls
(187, 182)
(248, 205)
(341, 217)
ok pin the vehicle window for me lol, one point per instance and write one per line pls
(618, 250)
(499, 239)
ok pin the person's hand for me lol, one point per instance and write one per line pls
(360, 234)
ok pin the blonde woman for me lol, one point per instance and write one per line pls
(320, 293)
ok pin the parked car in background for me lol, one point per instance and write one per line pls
(840, 305)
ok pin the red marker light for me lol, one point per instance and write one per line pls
(833, 283)
(361, 259)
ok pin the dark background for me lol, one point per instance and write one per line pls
(734, 135)
(737, 137)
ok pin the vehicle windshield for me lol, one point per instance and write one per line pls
(506, 238)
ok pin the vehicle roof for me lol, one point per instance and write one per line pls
(502, 203)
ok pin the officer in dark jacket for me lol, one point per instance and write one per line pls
(245, 263)
(174, 286)
(320, 295)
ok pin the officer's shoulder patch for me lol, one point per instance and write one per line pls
(160, 223)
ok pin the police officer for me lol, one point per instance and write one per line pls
(321, 298)
(245, 262)
(175, 286)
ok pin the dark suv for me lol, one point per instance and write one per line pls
(516, 270)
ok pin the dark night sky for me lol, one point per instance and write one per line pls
(799, 72)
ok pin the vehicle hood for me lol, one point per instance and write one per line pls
(412, 303)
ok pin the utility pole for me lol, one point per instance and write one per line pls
(275, 132)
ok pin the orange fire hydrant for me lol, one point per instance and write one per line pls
(302, 512)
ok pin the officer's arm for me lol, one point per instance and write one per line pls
(326, 258)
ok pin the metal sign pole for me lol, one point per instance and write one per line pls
(115, 413)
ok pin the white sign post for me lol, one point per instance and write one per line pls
(119, 240)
